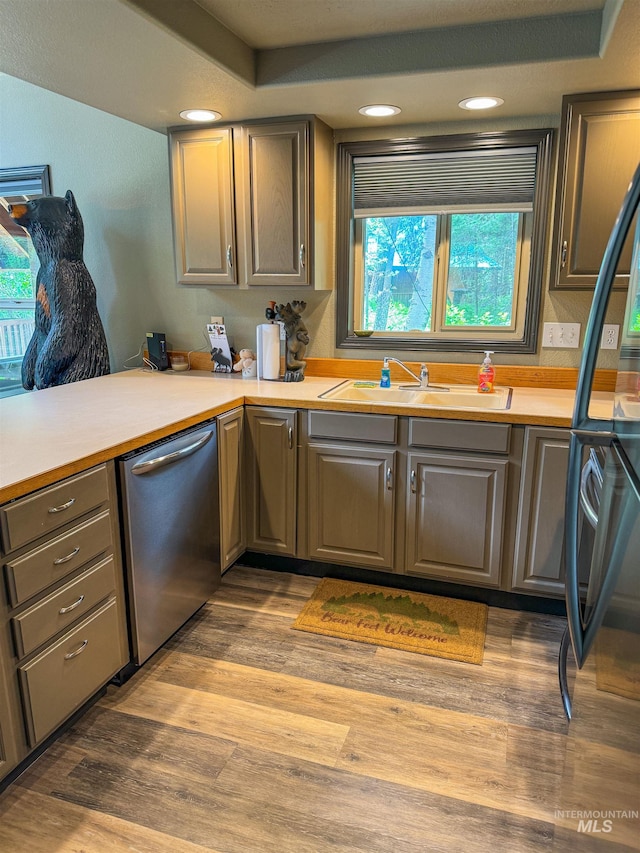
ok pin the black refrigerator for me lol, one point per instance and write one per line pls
(598, 797)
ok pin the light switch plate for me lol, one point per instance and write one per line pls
(609, 339)
(561, 335)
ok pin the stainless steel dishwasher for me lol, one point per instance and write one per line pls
(170, 512)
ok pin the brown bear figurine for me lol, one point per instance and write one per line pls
(68, 343)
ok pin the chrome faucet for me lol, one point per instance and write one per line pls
(422, 380)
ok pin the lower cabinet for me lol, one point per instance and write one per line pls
(350, 510)
(231, 486)
(58, 680)
(11, 738)
(271, 479)
(437, 498)
(455, 517)
(540, 527)
(62, 608)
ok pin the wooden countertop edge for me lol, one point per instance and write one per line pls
(487, 415)
(82, 463)
(46, 478)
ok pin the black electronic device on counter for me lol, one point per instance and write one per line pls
(157, 347)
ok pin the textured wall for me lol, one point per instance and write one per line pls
(119, 174)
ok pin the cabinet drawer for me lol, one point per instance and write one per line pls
(459, 435)
(353, 426)
(56, 682)
(29, 518)
(63, 607)
(38, 569)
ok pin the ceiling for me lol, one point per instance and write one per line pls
(145, 60)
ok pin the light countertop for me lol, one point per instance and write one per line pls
(50, 434)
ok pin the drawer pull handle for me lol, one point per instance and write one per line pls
(413, 482)
(302, 255)
(80, 649)
(290, 434)
(67, 558)
(389, 478)
(70, 607)
(229, 257)
(62, 507)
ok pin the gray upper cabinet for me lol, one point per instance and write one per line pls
(203, 206)
(599, 152)
(252, 204)
(274, 175)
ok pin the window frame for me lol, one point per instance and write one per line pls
(346, 230)
(11, 179)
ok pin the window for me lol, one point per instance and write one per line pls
(18, 268)
(441, 241)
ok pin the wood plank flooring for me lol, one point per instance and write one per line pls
(245, 736)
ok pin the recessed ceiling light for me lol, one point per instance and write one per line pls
(379, 110)
(484, 103)
(200, 115)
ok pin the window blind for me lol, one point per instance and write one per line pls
(440, 181)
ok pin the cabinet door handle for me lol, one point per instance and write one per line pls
(229, 258)
(389, 478)
(71, 607)
(62, 507)
(67, 558)
(80, 649)
(413, 482)
(302, 255)
(563, 256)
(290, 438)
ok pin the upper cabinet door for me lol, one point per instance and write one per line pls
(203, 206)
(599, 152)
(274, 181)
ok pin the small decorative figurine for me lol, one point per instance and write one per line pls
(68, 343)
(297, 339)
(246, 364)
(221, 363)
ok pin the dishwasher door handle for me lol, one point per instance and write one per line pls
(160, 461)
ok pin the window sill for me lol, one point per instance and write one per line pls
(434, 345)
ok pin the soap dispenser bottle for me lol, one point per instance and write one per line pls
(486, 374)
(385, 375)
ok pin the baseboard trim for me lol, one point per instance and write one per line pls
(314, 568)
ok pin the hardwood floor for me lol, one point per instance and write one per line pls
(244, 736)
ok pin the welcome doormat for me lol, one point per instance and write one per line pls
(412, 621)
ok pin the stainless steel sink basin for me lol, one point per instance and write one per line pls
(453, 397)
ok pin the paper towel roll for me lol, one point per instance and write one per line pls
(268, 350)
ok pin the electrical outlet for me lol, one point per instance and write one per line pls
(561, 335)
(609, 339)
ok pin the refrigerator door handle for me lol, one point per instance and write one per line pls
(588, 509)
(573, 502)
(565, 644)
(571, 548)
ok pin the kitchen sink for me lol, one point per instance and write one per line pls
(444, 397)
